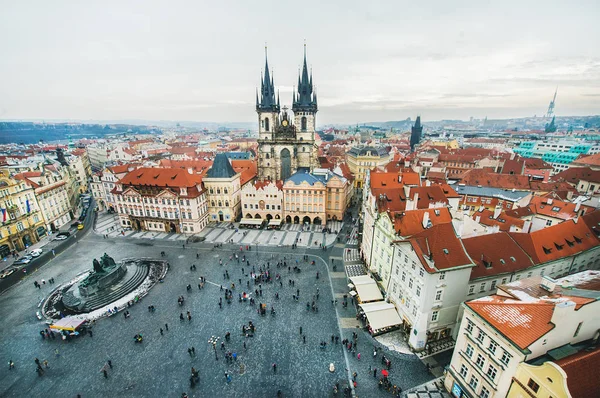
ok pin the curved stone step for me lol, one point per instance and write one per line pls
(140, 274)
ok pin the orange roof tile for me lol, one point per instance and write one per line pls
(261, 184)
(428, 195)
(592, 160)
(582, 373)
(248, 168)
(485, 178)
(411, 222)
(521, 323)
(557, 208)
(574, 174)
(558, 241)
(495, 254)
(161, 177)
(440, 244)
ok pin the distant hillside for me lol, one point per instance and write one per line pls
(30, 133)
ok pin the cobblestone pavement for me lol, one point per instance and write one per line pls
(160, 366)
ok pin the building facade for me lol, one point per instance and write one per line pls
(224, 191)
(263, 200)
(365, 158)
(161, 200)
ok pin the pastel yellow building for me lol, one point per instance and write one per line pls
(362, 159)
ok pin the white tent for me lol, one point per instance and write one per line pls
(366, 288)
(381, 315)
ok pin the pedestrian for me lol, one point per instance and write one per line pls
(109, 362)
(53, 253)
(190, 351)
(105, 373)
(274, 366)
(193, 351)
(91, 333)
(56, 354)
(244, 345)
(167, 327)
(161, 332)
(46, 363)
(358, 356)
(375, 372)
(304, 339)
(11, 364)
(300, 329)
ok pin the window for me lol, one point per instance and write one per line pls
(479, 362)
(533, 385)
(438, 295)
(482, 287)
(303, 123)
(491, 372)
(485, 393)
(442, 276)
(548, 223)
(505, 357)
(473, 382)
(578, 329)
(421, 272)
(492, 347)
(493, 285)
(471, 289)
(463, 371)
(480, 335)
(403, 276)
(434, 316)
(419, 291)
(470, 326)
(410, 283)
(469, 350)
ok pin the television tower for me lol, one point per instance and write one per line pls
(550, 111)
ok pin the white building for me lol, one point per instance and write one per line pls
(522, 321)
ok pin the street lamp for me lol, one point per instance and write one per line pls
(213, 341)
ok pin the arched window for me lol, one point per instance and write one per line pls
(225, 190)
(268, 156)
(220, 204)
(303, 123)
(219, 191)
(212, 203)
(226, 204)
(266, 124)
(211, 191)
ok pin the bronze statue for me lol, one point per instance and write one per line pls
(97, 266)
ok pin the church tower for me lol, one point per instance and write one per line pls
(304, 106)
(266, 105)
(415, 134)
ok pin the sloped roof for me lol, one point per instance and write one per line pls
(495, 254)
(301, 176)
(582, 373)
(428, 195)
(573, 175)
(521, 323)
(561, 240)
(504, 221)
(161, 177)
(411, 222)
(440, 244)
(557, 208)
(592, 160)
(592, 220)
(485, 178)
(379, 179)
(248, 168)
(262, 184)
(221, 168)
(389, 199)
(199, 167)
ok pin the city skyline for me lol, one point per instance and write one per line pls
(203, 63)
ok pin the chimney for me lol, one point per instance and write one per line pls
(549, 201)
(190, 170)
(477, 219)
(526, 226)
(399, 177)
(425, 219)
(548, 284)
(497, 212)
(427, 183)
(562, 311)
(416, 201)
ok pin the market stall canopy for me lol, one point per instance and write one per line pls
(251, 221)
(366, 288)
(68, 323)
(275, 222)
(381, 315)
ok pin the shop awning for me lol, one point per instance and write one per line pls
(275, 222)
(251, 221)
(366, 288)
(68, 323)
(381, 315)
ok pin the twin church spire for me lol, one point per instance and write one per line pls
(305, 99)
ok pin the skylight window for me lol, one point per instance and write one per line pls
(556, 208)
(446, 251)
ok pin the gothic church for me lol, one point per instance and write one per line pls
(285, 145)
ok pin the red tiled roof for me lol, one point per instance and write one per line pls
(592, 160)
(440, 244)
(346, 171)
(122, 168)
(411, 222)
(389, 199)
(521, 323)
(495, 254)
(582, 373)
(557, 209)
(161, 177)
(485, 178)
(572, 175)
(552, 243)
(504, 221)
(520, 212)
(199, 167)
(248, 168)
(428, 195)
(592, 220)
(379, 179)
(182, 150)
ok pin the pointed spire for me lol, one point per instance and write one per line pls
(267, 89)
(257, 98)
(278, 103)
(305, 100)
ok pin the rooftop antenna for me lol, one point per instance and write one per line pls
(550, 111)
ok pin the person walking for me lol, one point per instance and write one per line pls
(161, 332)
(274, 366)
(11, 364)
(167, 327)
(105, 373)
(109, 362)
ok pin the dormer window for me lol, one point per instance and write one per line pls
(119, 187)
(578, 240)
(183, 191)
(547, 250)
(558, 247)
(570, 243)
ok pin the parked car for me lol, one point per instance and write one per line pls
(7, 272)
(22, 261)
(61, 237)
(35, 252)
(67, 234)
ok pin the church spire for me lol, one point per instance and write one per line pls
(305, 101)
(267, 90)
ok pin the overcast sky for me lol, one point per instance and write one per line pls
(371, 60)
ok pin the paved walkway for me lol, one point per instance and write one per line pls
(306, 236)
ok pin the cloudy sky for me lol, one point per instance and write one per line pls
(372, 61)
